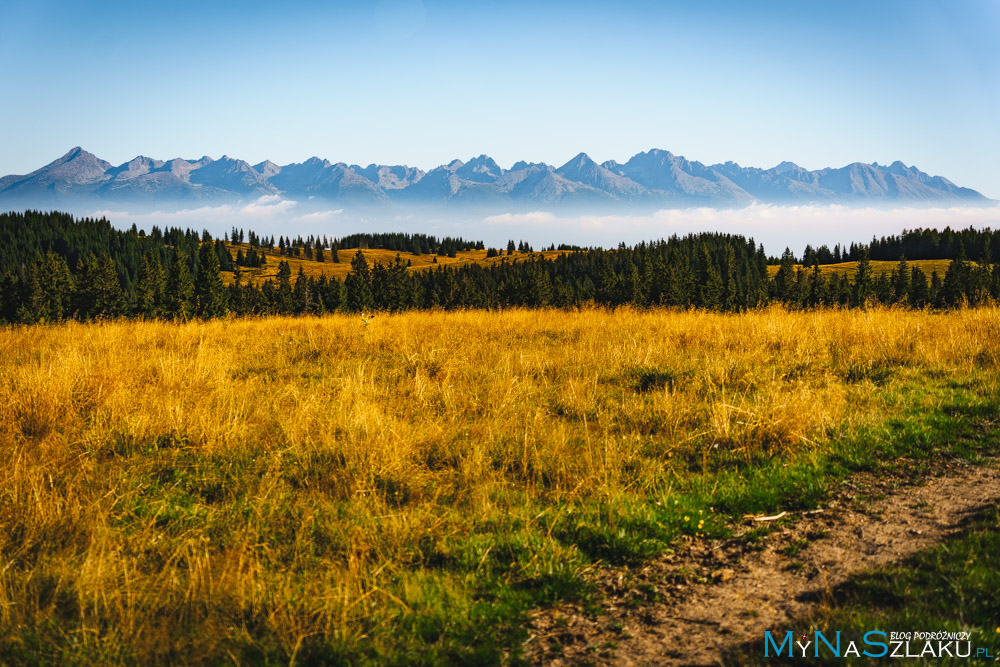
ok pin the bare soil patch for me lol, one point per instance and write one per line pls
(689, 607)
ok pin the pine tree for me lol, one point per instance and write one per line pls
(209, 288)
(864, 285)
(56, 284)
(608, 283)
(731, 290)
(956, 280)
(237, 294)
(919, 290)
(784, 279)
(934, 295)
(32, 300)
(817, 288)
(286, 300)
(151, 288)
(109, 298)
(398, 289)
(541, 284)
(180, 288)
(84, 294)
(302, 294)
(901, 277)
(359, 285)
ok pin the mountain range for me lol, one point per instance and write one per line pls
(656, 178)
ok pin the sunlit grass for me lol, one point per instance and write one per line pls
(282, 488)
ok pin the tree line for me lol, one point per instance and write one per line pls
(920, 243)
(53, 267)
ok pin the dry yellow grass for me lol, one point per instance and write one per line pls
(172, 491)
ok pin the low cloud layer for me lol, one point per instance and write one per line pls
(532, 218)
(268, 214)
(774, 226)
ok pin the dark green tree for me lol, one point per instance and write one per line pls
(784, 279)
(286, 294)
(901, 277)
(303, 294)
(864, 282)
(359, 285)
(179, 296)
(108, 299)
(919, 289)
(209, 288)
(151, 289)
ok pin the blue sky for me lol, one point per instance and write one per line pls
(404, 81)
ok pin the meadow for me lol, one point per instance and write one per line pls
(427, 261)
(329, 268)
(405, 489)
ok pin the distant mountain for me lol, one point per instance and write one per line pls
(655, 178)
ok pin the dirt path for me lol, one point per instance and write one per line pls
(688, 608)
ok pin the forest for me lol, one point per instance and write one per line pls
(55, 267)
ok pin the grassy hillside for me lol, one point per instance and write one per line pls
(425, 261)
(878, 267)
(404, 490)
(386, 257)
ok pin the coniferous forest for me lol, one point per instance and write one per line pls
(54, 267)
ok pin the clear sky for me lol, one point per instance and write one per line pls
(405, 81)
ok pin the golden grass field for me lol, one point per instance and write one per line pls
(278, 488)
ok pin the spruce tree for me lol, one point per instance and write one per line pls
(864, 284)
(711, 288)
(784, 279)
(934, 295)
(180, 288)
(32, 300)
(83, 294)
(237, 294)
(109, 298)
(731, 280)
(209, 288)
(286, 296)
(608, 283)
(151, 288)
(57, 287)
(359, 285)
(956, 279)
(901, 281)
(302, 294)
(919, 290)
